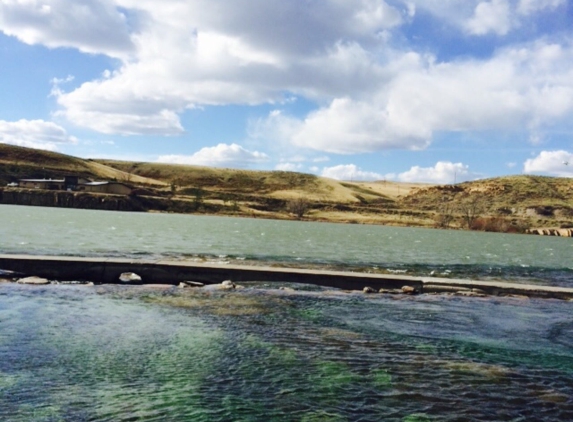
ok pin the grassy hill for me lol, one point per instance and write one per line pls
(500, 204)
(527, 201)
(27, 163)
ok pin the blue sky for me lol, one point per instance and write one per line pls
(436, 91)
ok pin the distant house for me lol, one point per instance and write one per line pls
(74, 183)
(41, 184)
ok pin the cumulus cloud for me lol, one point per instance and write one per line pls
(517, 88)
(222, 155)
(490, 16)
(527, 7)
(89, 26)
(479, 17)
(374, 94)
(183, 54)
(554, 163)
(349, 172)
(34, 134)
(444, 172)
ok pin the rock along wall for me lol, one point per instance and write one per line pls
(552, 232)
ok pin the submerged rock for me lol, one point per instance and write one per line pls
(390, 291)
(190, 284)
(409, 290)
(34, 280)
(129, 278)
(225, 285)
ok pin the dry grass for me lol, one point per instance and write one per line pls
(514, 201)
(393, 190)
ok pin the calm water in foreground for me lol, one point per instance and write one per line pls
(118, 353)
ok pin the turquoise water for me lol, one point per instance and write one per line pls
(461, 254)
(119, 353)
(116, 353)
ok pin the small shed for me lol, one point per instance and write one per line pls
(50, 184)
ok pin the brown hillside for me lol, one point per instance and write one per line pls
(19, 162)
(512, 203)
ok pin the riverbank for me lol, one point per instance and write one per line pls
(509, 204)
(108, 270)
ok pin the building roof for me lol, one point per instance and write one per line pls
(95, 183)
(43, 180)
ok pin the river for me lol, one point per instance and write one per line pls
(410, 251)
(121, 353)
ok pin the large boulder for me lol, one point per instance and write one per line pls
(33, 280)
(129, 278)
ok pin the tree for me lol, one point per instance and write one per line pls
(298, 206)
(471, 210)
(445, 215)
(198, 194)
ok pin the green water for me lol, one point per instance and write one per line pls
(116, 353)
(414, 251)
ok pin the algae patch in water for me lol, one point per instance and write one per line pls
(220, 303)
(475, 368)
(7, 381)
(381, 378)
(333, 376)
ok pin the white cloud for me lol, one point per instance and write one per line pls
(518, 88)
(349, 172)
(176, 54)
(34, 134)
(479, 17)
(348, 126)
(490, 16)
(222, 155)
(444, 172)
(527, 7)
(555, 163)
(374, 94)
(89, 26)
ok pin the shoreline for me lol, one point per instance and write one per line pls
(180, 205)
(168, 272)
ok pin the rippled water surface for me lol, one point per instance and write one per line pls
(461, 254)
(116, 353)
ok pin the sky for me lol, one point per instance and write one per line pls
(438, 91)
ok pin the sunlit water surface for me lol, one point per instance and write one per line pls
(116, 353)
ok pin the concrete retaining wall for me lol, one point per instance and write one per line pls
(102, 270)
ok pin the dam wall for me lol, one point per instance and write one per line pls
(108, 270)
